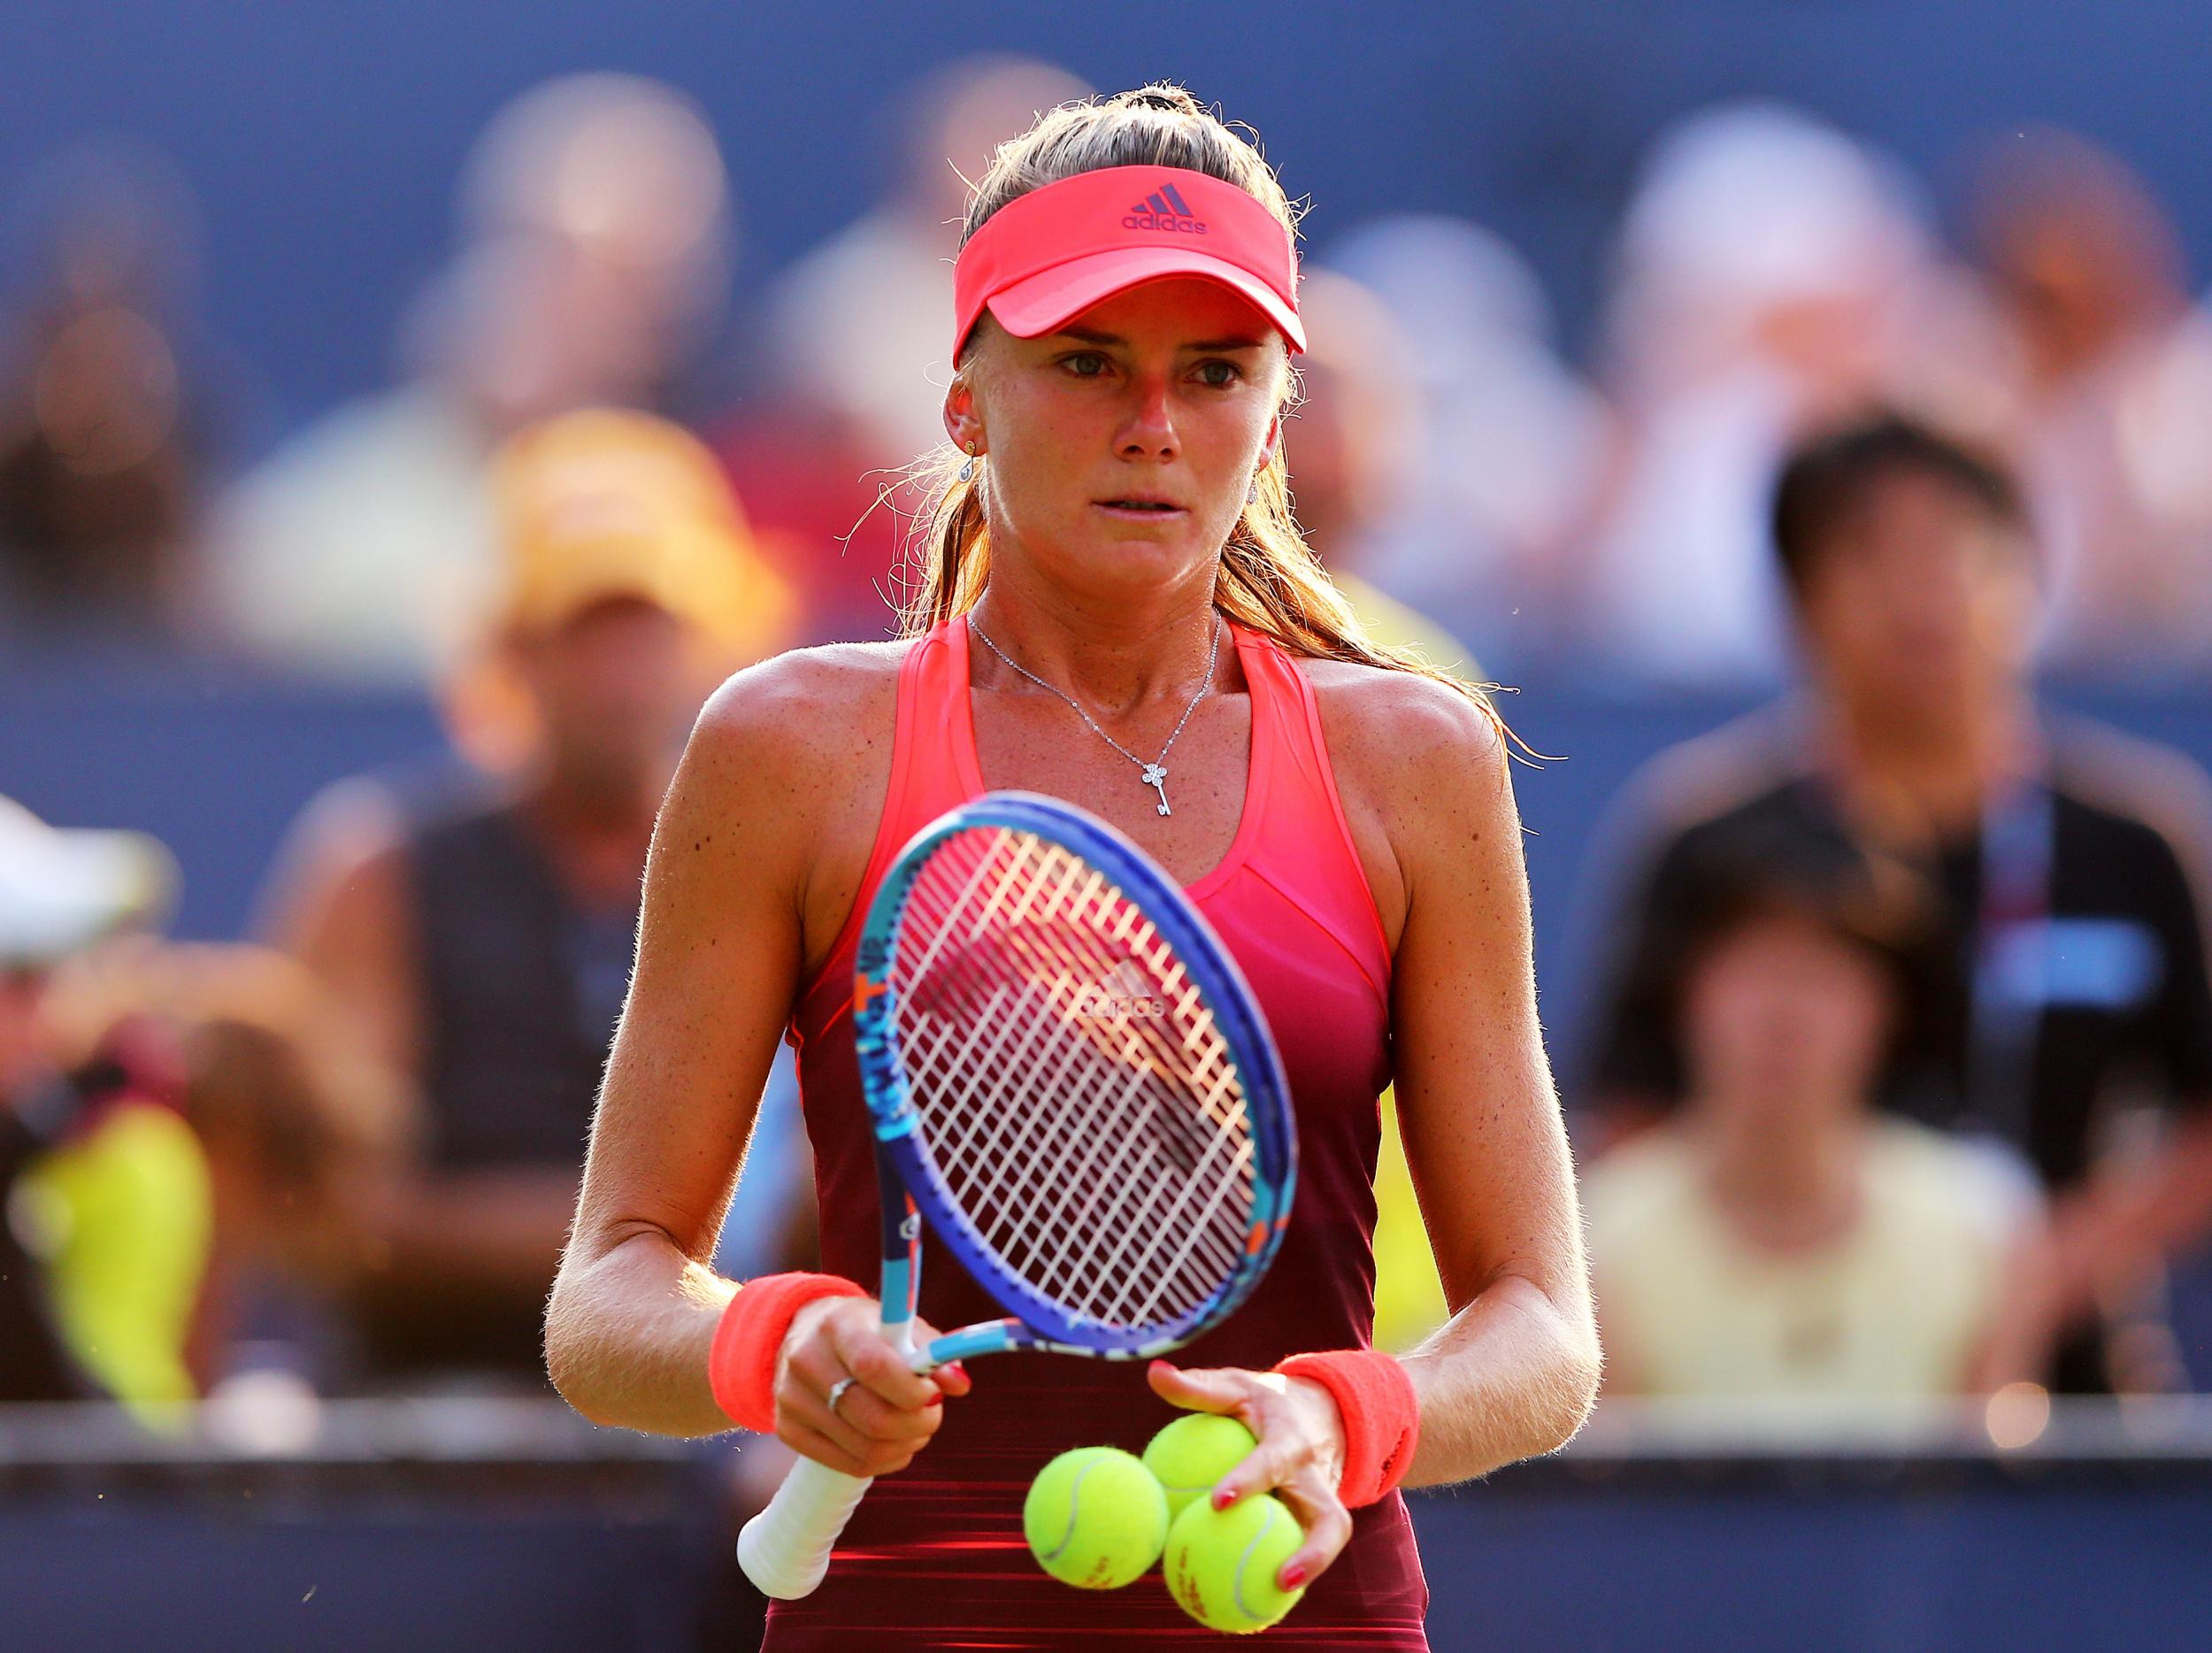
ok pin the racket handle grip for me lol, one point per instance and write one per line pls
(784, 1549)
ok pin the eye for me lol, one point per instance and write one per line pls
(1085, 364)
(1218, 373)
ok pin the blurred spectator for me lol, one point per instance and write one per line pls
(2113, 370)
(1773, 276)
(858, 328)
(860, 322)
(289, 1117)
(1776, 1238)
(1501, 442)
(627, 171)
(595, 240)
(482, 929)
(1352, 445)
(103, 1188)
(101, 440)
(2064, 856)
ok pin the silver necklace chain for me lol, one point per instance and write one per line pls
(1154, 773)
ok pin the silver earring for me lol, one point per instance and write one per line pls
(967, 471)
(1252, 492)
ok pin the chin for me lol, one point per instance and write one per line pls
(1145, 557)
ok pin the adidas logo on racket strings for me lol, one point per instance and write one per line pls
(1164, 209)
(1126, 991)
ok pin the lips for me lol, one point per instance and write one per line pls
(1141, 505)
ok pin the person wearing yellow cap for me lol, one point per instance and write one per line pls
(481, 927)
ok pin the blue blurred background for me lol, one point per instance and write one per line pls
(280, 287)
(323, 140)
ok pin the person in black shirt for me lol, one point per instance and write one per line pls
(482, 924)
(2067, 857)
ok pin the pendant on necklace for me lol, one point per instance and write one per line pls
(1156, 777)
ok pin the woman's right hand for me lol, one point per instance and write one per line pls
(885, 1417)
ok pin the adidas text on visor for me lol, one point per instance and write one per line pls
(1046, 257)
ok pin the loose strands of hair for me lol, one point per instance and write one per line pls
(1270, 579)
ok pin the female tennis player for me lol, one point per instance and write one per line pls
(1116, 609)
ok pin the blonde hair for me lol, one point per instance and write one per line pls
(1269, 579)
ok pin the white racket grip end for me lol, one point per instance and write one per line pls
(784, 1549)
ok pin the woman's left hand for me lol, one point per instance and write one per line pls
(1300, 1457)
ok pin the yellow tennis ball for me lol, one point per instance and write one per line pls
(1221, 1564)
(1095, 1517)
(1192, 1453)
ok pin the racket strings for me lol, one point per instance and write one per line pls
(1045, 1146)
(1084, 1110)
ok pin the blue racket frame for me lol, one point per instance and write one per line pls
(902, 1158)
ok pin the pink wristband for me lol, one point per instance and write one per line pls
(742, 1365)
(1382, 1417)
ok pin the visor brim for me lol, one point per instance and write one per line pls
(1052, 298)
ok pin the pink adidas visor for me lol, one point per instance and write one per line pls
(1045, 257)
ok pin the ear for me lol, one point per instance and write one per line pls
(962, 423)
(1274, 440)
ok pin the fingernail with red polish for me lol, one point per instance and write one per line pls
(1224, 1496)
(1292, 1577)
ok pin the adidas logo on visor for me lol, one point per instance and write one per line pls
(1164, 209)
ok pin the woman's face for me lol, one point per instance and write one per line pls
(614, 691)
(1785, 1023)
(1120, 447)
(1924, 606)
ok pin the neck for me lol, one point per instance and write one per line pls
(1910, 779)
(594, 839)
(1113, 656)
(1787, 1190)
(572, 809)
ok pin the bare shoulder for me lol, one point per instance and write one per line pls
(802, 699)
(1400, 715)
(343, 853)
(1419, 766)
(810, 713)
(794, 754)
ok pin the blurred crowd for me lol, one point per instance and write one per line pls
(1897, 1083)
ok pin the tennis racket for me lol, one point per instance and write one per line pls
(1071, 1081)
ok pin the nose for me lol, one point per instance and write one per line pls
(1148, 432)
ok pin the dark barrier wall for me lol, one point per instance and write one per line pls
(1684, 1569)
(1877, 1559)
(323, 138)
(479, 1545)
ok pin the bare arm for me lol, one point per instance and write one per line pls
(341, 906)
(721, 945)
(337, 903)
(2124, 1225)
(634, 1309)
(1514, 1372)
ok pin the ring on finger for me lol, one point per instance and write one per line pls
(837, 1390)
